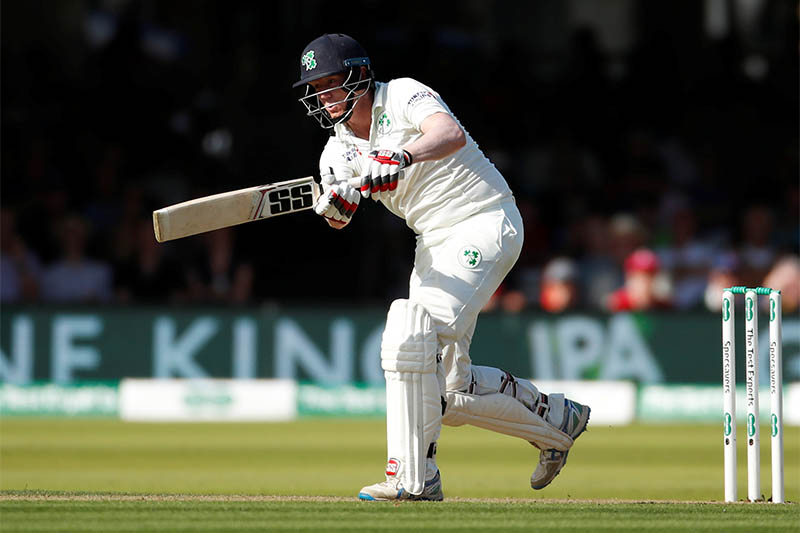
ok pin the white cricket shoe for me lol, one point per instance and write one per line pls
(392, 489)
(551, 461)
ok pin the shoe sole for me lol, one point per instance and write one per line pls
(434, 482)
(367, 498)
(566, 453)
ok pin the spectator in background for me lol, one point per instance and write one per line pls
(74, 278)
(600, 273)
(20, 269)
(644, 288)
(757, 251)
(149, 276)
(723, 274)
(559, 291)
(687, 259)
(132, 106)
(506, 298)
(627, 235)
(218, 275)
(785, 277)
(103, 209)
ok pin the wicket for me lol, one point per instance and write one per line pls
(751, 391)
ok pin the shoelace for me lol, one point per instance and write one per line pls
(550, 455)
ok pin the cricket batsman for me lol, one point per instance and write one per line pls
(412, 154)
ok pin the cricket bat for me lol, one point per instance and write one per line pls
(231, 208)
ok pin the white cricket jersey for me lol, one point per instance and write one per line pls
(433, 194)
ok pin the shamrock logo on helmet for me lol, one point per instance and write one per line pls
(308, 60)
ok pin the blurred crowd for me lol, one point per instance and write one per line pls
(648, 178)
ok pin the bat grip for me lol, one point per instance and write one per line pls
(354, 182)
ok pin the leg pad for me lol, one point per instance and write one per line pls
(504, 414)
(414, 389)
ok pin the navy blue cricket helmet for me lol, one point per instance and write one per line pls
(329, 54)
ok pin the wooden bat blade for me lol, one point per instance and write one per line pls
(226, 209)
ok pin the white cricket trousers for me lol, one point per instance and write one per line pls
(454, 284)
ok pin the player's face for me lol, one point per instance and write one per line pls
(331, 96)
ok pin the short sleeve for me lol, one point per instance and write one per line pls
(415, 101)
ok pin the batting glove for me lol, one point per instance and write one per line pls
(382, 172)
(338, 201)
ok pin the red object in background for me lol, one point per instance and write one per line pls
(642, 261)
(557, 296)
(620, 300)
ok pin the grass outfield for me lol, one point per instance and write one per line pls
(110, 475)
(237, 515)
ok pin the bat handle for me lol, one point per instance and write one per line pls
(354, 182)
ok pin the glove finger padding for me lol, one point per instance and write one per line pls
(386, 171)
(350, 198)
(383, 185)
(374, 178)
(382, 172)
(394, 179)
(371, 185)
(339, 203)
(366, 184)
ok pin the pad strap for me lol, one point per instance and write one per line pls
(431, 451)
(508, 380)
(504, 414)
(542, 405)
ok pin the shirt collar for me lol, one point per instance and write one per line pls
(378, 105)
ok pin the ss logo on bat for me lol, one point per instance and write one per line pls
(287, 200)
